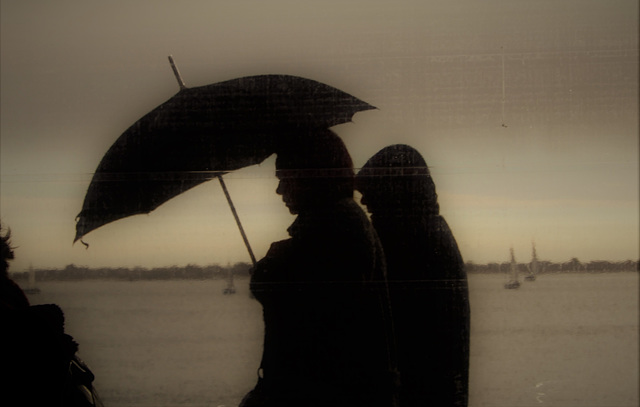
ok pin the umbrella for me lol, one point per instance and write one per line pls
(199, 134)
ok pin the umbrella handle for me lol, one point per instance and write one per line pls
(235, 215)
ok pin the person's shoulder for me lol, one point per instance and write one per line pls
(12, 296)
(349, 208)
(351, 216)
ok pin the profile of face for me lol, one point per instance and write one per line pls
(307, 189)
(293, 190)
(377, 200)
(395, 182)
(314, 171)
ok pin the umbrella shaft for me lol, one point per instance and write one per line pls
(235, 215)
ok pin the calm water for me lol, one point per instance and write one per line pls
(563, 340)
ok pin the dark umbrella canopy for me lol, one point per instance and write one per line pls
(202, 132)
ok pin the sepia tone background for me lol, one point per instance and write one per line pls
(526, 111)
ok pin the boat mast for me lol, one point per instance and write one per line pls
(513, 272)
(514, 267)
(534, 260)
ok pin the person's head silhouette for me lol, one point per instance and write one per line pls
(6, 252)
(314, 169)
(396, 182)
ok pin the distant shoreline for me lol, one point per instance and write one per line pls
(241, 270)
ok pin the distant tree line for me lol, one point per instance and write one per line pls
(189, 272)
(241, 270)
(572, 266)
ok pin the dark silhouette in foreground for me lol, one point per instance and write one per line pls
(325, 340)
(39, 363)
(428, 284)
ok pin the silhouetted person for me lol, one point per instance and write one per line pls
(11, 295)
(428, 284)
(325, 340)
(37, 355)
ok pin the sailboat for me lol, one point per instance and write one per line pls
(513, 273)
(231, 288)
(31, 286)
(533, 266)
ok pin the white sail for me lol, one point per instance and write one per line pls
(533, 266)
(231, 288)
(513, 272)
(31, 286)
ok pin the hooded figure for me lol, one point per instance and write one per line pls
(39, 366)
(428, 284)
(325, 341)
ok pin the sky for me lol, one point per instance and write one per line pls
(525, 111)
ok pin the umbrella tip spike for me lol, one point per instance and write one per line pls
(177, 73)
(79, 237)
(86, 245)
